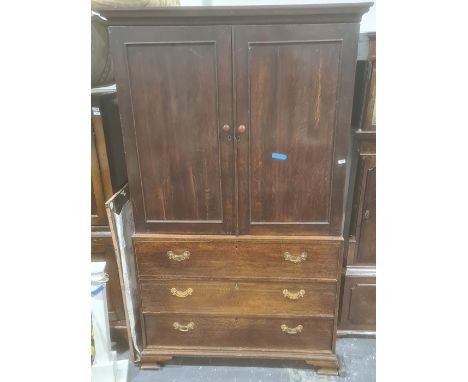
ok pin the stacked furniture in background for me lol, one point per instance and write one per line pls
(357, 313)
(108, 175)
(236, 130)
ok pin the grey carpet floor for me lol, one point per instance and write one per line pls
(357, 360)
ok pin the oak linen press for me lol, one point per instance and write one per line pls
(235, 123)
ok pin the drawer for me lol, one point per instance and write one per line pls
(185, 258)
(289, 259)
(238, 259)
(306, 334)
(243, 298)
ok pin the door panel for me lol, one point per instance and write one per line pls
(180, 160)
(366, 231)
(358, 305)
(293, 94)
(289, 114)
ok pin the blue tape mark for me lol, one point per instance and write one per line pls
(279, 156)
(95, 291)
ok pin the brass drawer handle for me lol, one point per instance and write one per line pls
(181, 257)
(182, 294)
(295, 259)
(183, 328)
(295, 330)
(292, 295)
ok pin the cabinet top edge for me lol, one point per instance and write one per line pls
(165, 237)
(271, 14)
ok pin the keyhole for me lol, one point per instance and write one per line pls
(236, 287)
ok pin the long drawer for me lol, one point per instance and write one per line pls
(244, 298)
(237, 259)
(286, 333)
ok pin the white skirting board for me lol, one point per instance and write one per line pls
(120, 216)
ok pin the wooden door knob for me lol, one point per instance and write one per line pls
(241, 129)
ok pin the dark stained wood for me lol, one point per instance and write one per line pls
(242, 298)
(268, 260)
(325, 366)
(108, 172)
(108, 106)
(289, 114)
(361, 244)
(294, 95)
(357, 295)
(361, 88)
(152, 361)
(238, 332)
(238, 259)
(363, 219)
(276, 238)
(365, 233)
(359, 307)
(206, 96)
(180, 161)
(254, 15)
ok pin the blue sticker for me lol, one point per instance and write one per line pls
(279, 156)
(97, 289)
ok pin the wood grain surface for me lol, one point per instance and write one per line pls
(242, 297)
(237, 259)
(238, 332)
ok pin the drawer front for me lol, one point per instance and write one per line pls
(185, 258)
(210, 259)
(244, 298)
(289, 259)
(306, 334)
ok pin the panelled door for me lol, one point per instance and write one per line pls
(294, 87)
(279, 167)
(175, 98)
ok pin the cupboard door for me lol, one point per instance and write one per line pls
(175, 99)
(294, 88)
